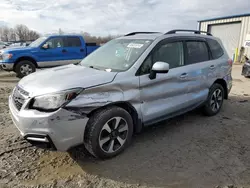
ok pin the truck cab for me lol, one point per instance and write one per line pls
(45, 52)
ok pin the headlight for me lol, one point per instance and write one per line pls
(54, 101)
(7, 56)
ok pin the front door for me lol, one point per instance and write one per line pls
(53, 55)
(166, 94)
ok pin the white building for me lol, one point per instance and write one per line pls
(234, 31)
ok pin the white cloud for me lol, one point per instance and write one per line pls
(114, 16)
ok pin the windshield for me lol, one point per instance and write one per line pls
(116, 55)
(38, 41)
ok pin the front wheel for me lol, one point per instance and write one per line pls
(215, 100)
(108, 132)
(24, 68)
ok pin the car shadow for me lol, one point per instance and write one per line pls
(186, 151)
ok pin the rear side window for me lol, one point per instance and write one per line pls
(215, 48)
(72, 42)
(196, 52)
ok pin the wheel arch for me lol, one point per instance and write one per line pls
(31, 59)
(223, 83)
(129, 108)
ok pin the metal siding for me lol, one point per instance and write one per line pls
(225, 17)
(229, 35)
(245, 28)
(245, 31)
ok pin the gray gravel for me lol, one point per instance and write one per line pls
(187, 151)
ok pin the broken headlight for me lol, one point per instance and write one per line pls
(54, 101)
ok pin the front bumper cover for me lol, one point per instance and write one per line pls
(62, 129)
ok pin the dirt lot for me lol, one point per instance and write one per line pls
(188, 151)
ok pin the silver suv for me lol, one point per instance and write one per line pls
(129, 83)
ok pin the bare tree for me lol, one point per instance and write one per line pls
(12, 35)
(5, 34)
(22, 32)
(99, 40)
(60, 31)
(33, 35)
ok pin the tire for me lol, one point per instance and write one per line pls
(24, 68)
(100, 132)
(216, 94)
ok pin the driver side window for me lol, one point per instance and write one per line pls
(171, 53)
(55, 43)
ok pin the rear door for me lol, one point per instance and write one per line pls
(74, 51)
(166, 94)
(198, 66)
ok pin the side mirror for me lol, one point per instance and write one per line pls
(45, 46)
(158, 67)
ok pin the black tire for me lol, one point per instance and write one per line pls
(95, 128)
(208, 109)
(24, 64)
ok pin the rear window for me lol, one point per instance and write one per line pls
(215, 48)
(196, 52)
(72, 42)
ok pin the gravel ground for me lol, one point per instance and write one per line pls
(187, 151)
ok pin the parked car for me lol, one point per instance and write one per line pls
(129, 83)
(45, 52)
(246, 68)
(2, 45)
(18, 45)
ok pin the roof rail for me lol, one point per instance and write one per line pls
(186, 30)
(134, 33)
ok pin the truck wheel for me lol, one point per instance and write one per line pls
(108, 132)
(25, 67)
(214, 101)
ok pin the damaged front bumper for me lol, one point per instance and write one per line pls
(246, 69)
(61, 129)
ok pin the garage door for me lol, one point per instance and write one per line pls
(229, 35)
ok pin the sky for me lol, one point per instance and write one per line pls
(103, 17)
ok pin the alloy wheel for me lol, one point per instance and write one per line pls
(26, 69)
(113, 134)
(216, 100)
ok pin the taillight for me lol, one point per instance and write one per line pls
(230, 62)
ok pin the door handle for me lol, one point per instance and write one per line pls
(64, 50)
(82, 50)
(212, 67)
(183, 75)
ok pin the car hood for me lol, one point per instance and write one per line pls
(17, 49)
(63, 78)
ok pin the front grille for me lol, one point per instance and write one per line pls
(19, 96)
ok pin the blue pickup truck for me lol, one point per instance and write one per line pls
(46, 52)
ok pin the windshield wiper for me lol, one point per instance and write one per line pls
(93, 67)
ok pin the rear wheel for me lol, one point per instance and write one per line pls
(108, 132)
(215, 100)
(24, 68)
